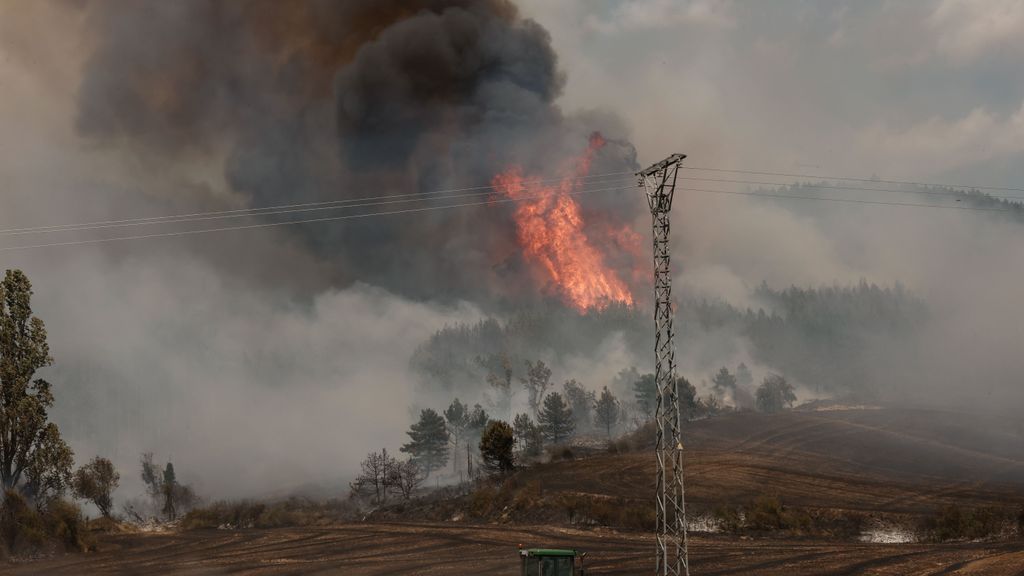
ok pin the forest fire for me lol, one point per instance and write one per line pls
(550, 229)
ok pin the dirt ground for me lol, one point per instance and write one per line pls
(458, 549)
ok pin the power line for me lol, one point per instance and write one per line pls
(822, 177)
(433, 195)
(832, 187)
(855, 201)
(310, 207)
(259, 211)
(307, 221)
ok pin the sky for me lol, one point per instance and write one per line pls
(924, 90)
(257, 364)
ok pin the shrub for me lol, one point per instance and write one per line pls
(21, 526)
(26, 531)
(528, 498)
(483, 500)
(729, 518)
(64, 522)
(252, 514)
(955, 523)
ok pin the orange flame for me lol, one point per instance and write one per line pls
(550, 229)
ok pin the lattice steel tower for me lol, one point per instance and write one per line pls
(659, 182)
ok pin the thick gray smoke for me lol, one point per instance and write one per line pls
(263, 360)
(313, 101)
(266, 360)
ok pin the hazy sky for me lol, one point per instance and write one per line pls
(924, 89)
(240, 357)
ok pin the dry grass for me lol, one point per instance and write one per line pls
(252, 514)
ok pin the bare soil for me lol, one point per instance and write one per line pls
(459, 549)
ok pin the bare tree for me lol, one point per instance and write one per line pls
(501, 383)
(407, 476)
(537, 382)
(377, 474)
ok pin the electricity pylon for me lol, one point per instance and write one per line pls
(659, 182)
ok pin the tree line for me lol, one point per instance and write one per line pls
(36, 464)
(821, 336)
(476, 444)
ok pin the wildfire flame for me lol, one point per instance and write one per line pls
(550, 230)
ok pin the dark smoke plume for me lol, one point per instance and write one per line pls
(322, 100)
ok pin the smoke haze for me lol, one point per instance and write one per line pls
(264, 360)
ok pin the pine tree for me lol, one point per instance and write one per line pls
(580, 401)
(496, 448)
(457, 416)
(686, 395)
(645, 391)
(520, 428)
(606, 411)
(428, 444)
(556, 419)
(724, 382)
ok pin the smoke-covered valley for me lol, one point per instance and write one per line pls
(269, 360)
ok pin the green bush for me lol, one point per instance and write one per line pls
(25, 530)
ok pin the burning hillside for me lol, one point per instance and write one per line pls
(551, 229)
(324, 101)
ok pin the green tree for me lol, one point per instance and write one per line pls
(606, 411)
(580, 401)
(534, 443)
(537, 382)
(775, 394)
(95, 482)
(520, 428)
(30, 445)
(724, 382)
(151, 475)
(457, 416)
(163, 487)
(496, 448)
(687, 398)
(478, 420)
(556, 419)
(428, 444)
(645, 391)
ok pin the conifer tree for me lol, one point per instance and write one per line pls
(556, 419)
(428, 445)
